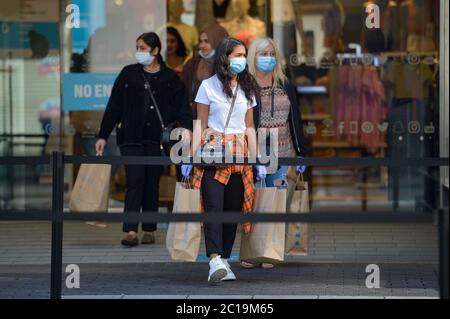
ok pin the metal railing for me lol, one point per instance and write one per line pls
(56, 216)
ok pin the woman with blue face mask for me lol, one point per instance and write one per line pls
(225, 105)
(277, 108)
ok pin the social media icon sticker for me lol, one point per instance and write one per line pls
(429, 129)
(398, 128)
(414, 127)
(382, 59)
(383, 127)
(429, 60)
(354, 128)
(368, 59)
(311, 129)
(328, 123)
(310, 61)
(413, 59)
(367, 127)
(341, 127)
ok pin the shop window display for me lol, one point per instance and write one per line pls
(363, 92)
(372, 94)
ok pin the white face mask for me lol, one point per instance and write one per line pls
(144, 58)
(208, 56)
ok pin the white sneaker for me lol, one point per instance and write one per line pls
(217, 270)
(230, 275)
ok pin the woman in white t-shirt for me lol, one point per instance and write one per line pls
(226, 188)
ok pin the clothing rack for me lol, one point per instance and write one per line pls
(430, 58)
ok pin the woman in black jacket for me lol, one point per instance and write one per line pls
(132, 110)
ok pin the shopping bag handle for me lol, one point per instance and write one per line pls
(299, 177)
(187, 182)
(261, 183)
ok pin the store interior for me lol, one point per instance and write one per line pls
(366, 72)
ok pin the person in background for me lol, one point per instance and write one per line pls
(132, 110)
(200, 67)
(226, 188)
(177, 54)
(277, 108)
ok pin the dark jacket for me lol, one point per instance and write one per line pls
(126, 105)
(295, 119)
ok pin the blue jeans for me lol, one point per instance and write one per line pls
(278, 179)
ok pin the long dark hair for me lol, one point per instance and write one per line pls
(153, 41)
(221, 68)
(181, 48)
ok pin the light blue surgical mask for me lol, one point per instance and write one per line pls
(237, 65)
(266, 64)
(207, 56)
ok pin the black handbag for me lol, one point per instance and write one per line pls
(166, 130)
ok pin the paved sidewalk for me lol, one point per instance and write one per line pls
(335, 267)
(28, 243)
(189, 280)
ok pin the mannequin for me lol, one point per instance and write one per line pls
(220, 8)
(241, 25)
(187, 32)
(389, 36)
(204, 14)
(417, 19)
(333, 22)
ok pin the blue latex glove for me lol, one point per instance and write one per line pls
(301, 168)
(261, 172)
(186, 170)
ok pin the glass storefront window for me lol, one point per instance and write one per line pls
(368, 78)
(30, 103)
(366, 72)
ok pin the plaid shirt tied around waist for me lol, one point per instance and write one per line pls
(238, 142)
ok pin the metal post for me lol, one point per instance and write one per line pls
(11, 169)
(57, 223)
(396, 188)
(443, 253)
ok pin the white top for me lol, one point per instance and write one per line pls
(211, 93)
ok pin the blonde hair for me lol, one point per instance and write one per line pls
(259, 45)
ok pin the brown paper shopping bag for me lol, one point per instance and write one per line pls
(91, 190)
(183, 239)
(297, 203)
(265, 243)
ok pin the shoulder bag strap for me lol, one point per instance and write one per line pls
(148, 88)
(231, 108)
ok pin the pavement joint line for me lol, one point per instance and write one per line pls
(257, 297)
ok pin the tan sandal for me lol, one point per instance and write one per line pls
(248, 265)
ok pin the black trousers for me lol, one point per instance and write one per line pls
(219, 238)
(142, 185)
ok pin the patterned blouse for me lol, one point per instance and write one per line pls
(279, 118)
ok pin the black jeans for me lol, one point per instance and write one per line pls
(219, 238)
(142, 189)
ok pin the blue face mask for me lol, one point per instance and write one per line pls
(266, 64)
(237, 65)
